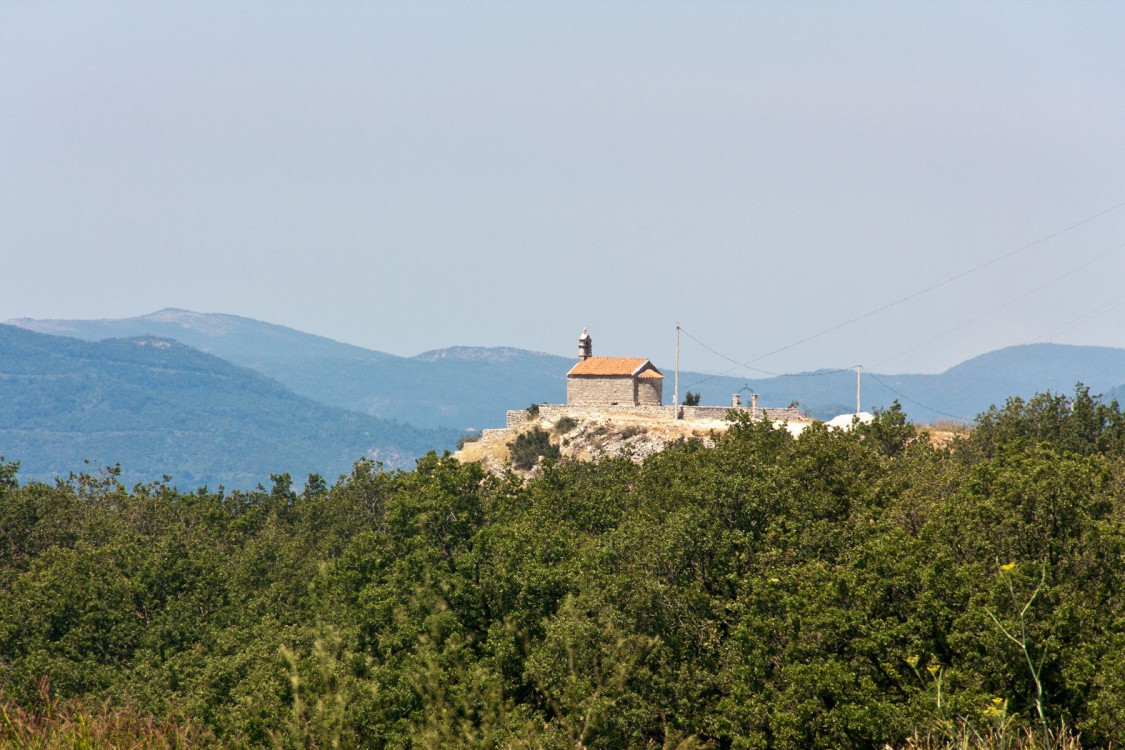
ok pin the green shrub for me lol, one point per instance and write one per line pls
(566, 424)
(472, 437)
(528, 447)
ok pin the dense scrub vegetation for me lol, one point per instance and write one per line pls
(837, 590)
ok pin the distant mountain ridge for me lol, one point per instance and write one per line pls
(961, 392)
(231, 337)
(472, 387)
(478, 353)
(159, 407)
(457, 388)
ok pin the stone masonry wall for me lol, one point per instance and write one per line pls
(603, 390)
(787, 414)
(551, 412)
(490, 432)
(650, 391)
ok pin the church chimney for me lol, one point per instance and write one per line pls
(585, 345)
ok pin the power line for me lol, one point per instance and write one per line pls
(824, 372)
(745, 365)
(915, 401)
(993, 261)
(947, 281)
(738, 364)
(814, 374)
(1084, 317)
(1002, 305)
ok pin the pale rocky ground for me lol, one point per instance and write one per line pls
(610, 434)
(617, 434)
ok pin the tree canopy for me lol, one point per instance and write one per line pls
(834, 590)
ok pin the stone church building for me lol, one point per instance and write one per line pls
(612, 381)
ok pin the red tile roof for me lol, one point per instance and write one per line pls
(614, 366)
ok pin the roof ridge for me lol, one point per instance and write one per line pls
(611, 366)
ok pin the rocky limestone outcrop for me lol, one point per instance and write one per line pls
(591, 437)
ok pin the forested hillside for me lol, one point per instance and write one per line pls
(459, 388)
(836, 590)
(465, 388)
(158, 407)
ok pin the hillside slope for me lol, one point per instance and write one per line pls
(233, 337)
(458, 388)
(157, 406)
(472, 387)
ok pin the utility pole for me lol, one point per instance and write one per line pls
(858, 370)
(676, 392)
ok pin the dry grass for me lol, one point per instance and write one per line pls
(994, 738)
(70, 725)
(957, 428)
(943, 433)
(487, 451)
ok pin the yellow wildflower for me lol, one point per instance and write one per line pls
(997, 711)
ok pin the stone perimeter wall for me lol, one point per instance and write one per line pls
(554, 411)
(489, 432)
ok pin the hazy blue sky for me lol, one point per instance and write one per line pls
(407, 176)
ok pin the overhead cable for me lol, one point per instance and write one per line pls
(1033, 290)
(945, 282)
(883, 383)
